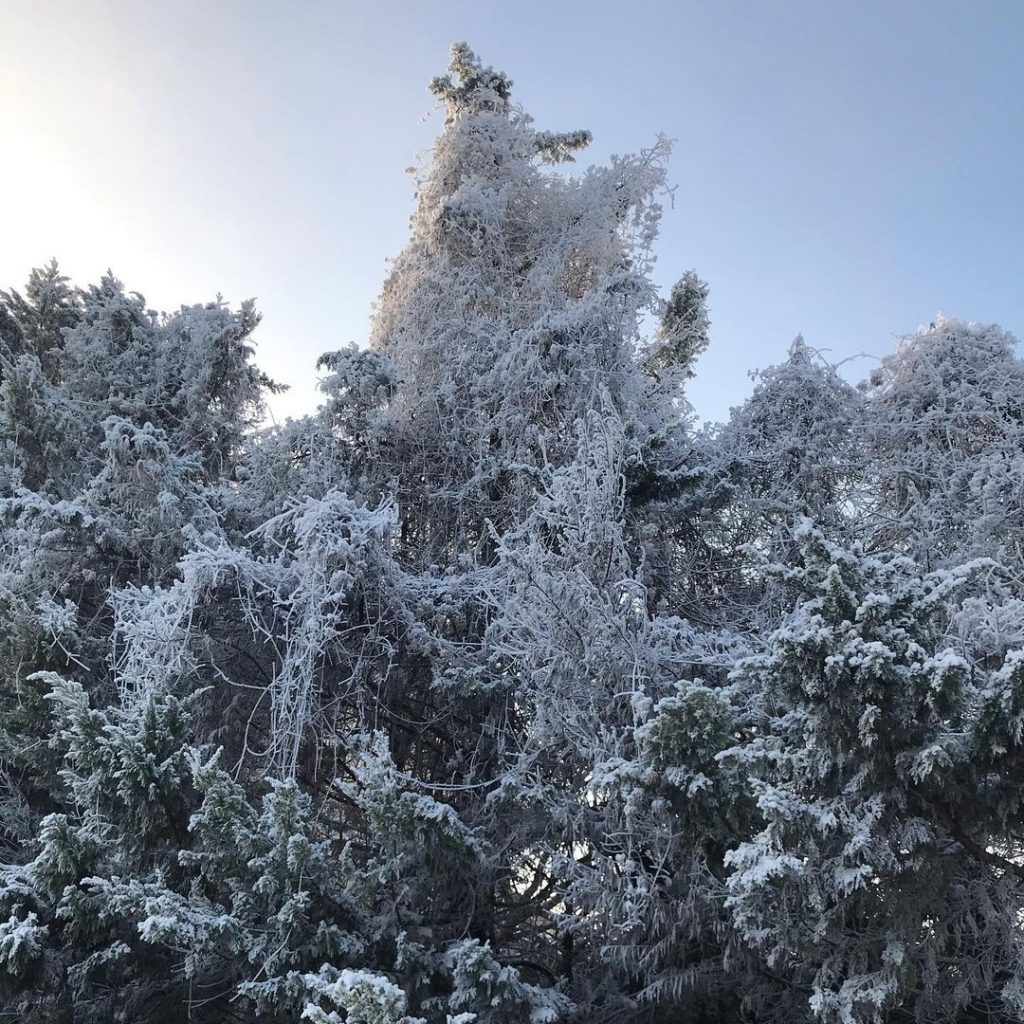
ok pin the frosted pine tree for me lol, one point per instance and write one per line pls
(624, 831)
(793, 449)
(886, 882)
(315, 658)
(34, 323)
(31, 345)
(946, 430)
(514, 307)
(459, 701)
(684, 333)
(118, 427)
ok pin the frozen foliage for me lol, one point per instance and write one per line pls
(496, 692)
(886, 873)
(513, 311)
(945, 438)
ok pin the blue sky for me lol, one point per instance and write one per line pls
(844, 170)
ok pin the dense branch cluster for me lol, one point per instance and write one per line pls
(498, 691)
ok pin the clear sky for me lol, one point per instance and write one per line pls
(844, 169)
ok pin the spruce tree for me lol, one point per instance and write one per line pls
(496, 691)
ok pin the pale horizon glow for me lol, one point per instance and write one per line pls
(841, 171)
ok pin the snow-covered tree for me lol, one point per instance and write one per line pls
(118, 427)
(495, 691)
(514, 308)
(886, 882)
(34, 323)
(684, 333)
(945, 479)
(946, 430)
(791, 451)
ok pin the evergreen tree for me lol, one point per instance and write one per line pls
(886, 880)
(494, 691)
(512, 311)
(793, 449)
(945, 430)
